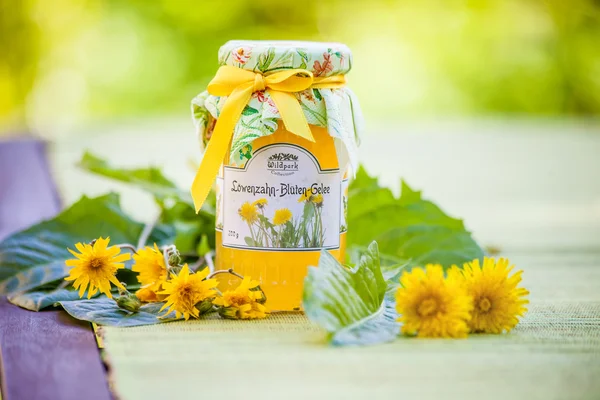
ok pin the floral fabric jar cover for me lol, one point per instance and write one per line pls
(337, 110)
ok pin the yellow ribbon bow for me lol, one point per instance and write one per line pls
(238, 85)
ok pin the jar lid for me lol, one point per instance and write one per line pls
(322, 59)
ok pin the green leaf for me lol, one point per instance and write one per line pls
(406, 228)
(308, 212)
(317, 94)
(36, 301)
(265, 59)
(149, 179)
(264, 220)
(189, 226)
(304, 57)
(203, 247)
(249, 111)
(284, 61)
(35, 277)
(391, 267)
(350, 303)
(36, 256)
(104, 311)
(178, 213)
(303, 54)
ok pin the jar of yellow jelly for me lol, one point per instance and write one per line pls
(282, 198)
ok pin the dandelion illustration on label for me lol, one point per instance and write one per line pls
(282, 216)
(261, 203)
(282, 231)
(249, 213)
(282, 199)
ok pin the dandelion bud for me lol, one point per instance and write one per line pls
(243, 302)
(229, 312)
(128, 302)
(204, 306)
(174, 258)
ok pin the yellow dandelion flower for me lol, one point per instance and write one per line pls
(497, 300)
(305, 195)
(261, 203)
(151, 267)
(187, 289)
(431, 306)
(95, 265)
(282, 216)
(242, 302)
(147, 295)
(317, 199)
(248, 212)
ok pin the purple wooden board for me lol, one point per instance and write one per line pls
(27, 193)
(48, 355)
(43, 355)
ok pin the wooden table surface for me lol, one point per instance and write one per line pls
(529, 187)
(47, 355)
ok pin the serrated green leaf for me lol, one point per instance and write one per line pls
(35, 256)
(406, 228)
(104, 311)
(149, 179)
(36, 301)
(409, 196)
(350, 303)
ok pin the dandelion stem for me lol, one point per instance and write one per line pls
(261, 234)
(225, 271)
(315, 225)
(264, 229)
(265, 235)
(252, 234)
(321, 239)
(128, 246)
(146, 233)
(208, 257)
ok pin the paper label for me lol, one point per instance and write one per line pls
(281, 200)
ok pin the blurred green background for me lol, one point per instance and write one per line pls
(67, 63)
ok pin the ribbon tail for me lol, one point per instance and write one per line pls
(218, 144)
(291, 114)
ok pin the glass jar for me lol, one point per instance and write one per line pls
(282, 198)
